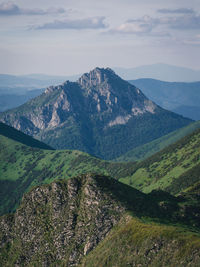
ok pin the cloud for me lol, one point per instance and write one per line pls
(160, 26)
(77, 24)
(195, 41)
(182, 19)
(176, 11)
(136, 26)
(11, 9)
(186, 22)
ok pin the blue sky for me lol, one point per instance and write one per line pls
(66, 37)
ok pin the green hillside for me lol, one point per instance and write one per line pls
(25, 139)
(173, 169)
(108, 223)
(134, 243)
(147, 150)
(22, 167)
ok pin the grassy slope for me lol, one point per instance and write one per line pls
(134, 243)
(25, 139)
(22, 167)
(147, 150)
(174, 169)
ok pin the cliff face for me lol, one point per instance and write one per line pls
(100, 114)
(59, 223)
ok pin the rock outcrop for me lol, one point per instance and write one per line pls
(60, 222)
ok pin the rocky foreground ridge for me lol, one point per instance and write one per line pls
(60, 224)
(101, 114)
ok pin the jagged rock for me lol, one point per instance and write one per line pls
(100, 114)
(60, 222)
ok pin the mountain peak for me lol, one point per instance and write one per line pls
(101, 114)
(96, 76)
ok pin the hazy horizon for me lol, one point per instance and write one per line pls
(112, 67)
(71, 37)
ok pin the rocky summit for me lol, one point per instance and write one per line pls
(101, 114)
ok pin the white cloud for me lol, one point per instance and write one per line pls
(77, 24)
(11, 9)
(182, 19)
(136, 26)
(176, 11)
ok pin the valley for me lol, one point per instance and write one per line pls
(124, 193)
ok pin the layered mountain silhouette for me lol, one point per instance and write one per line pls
(101, 114)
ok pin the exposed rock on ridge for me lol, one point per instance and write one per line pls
(61, 222)
(91, 115)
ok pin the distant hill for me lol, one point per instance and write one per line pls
(183, 98)
(18, 136)
(191, 112)
(16, 90)
(173, 169)
(23, 165)
(160, 71)
(147, 150)
(100, 114)
(31, 81)
(10, 99)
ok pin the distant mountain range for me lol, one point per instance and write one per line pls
(101, 114)
(160, 71)
(32, 81)
(16, 90)
(11, 98)
(179, 97)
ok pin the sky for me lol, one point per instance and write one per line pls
(66, 37)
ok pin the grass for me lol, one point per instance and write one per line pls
(135, 243)
(167, 168)
(22, 167)
(147, 150)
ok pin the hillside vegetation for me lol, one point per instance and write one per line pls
(147, 150)
(173, 169)
(22, 167)
(135, 243)
(18, 136)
